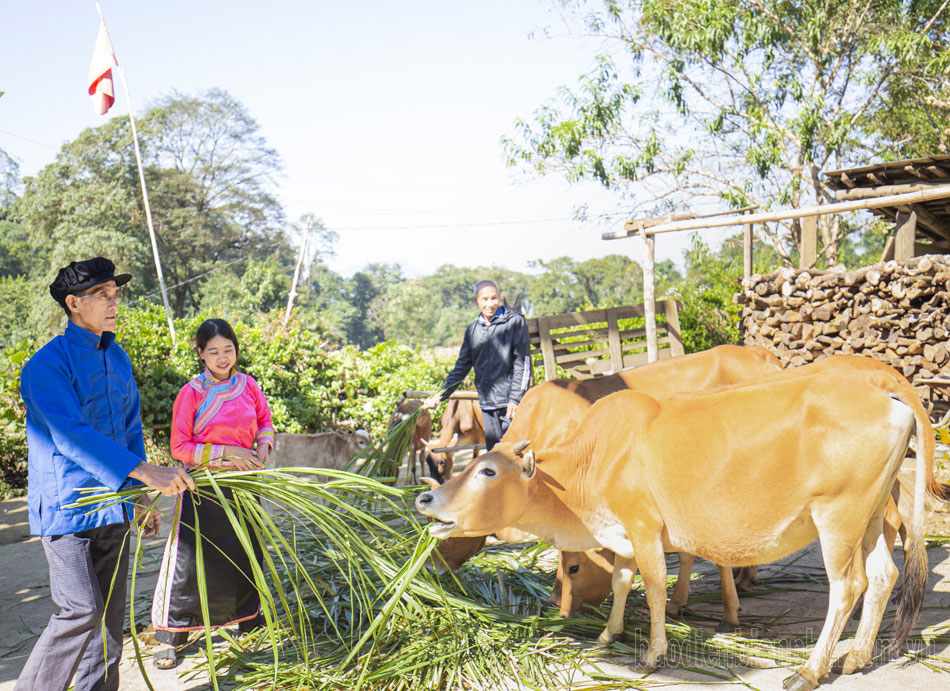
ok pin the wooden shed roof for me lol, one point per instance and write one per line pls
(894, 177)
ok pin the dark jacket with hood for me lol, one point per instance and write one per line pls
(498, 352)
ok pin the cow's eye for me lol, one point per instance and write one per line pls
(572, 570)
(488, 471)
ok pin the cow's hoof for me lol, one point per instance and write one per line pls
(605, 639)
(726, 627)
(646, 666)
(672, 610)
(854, 662)
(797, 682)
(745, 577)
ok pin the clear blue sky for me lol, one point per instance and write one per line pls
(385, 114)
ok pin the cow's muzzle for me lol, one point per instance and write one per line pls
(438, 529)
(423, 501)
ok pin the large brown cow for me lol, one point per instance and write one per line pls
(549, 414)
(766, 467)
(583, 578)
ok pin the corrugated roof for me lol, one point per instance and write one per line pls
(933, 217)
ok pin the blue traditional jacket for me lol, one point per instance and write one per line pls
(83, 428)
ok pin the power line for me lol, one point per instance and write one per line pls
(207, 273)
(27, 139)
(478, 225)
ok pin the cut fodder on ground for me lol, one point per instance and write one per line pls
(350, 604)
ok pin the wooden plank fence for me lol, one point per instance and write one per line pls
(603, 347)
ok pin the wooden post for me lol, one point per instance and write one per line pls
(673, 327)
(649, 296)
(613, 341)
(906, 224)
(808, 250)
(547, 349)
(746, 250)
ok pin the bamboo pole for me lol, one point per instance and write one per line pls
(148, 210)
(463, 447)
(649, 295)
(884, 190)
(634, 226)
(746, 249)
(941, 192)
(463, 395)
(293, 284)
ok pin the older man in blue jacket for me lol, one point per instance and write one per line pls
(84, 429)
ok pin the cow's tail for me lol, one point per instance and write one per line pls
(911, 593)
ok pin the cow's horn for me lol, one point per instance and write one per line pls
(520, 446)
(432, 482)
(455, 439)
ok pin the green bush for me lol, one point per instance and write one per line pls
(12, 416)
(709, 316)
(310, 387)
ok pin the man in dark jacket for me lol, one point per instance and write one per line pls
(496, 347)
(84, 429)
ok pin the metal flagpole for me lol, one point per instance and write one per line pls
(148, 210)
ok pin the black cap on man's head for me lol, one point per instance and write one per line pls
(80, 276)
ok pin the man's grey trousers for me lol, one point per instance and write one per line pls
(81, 568)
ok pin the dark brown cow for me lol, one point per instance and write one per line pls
(418, 453)
(462, 424)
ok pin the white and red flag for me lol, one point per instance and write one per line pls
(100, 72)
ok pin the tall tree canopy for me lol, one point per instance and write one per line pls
(746, 101)
(210, 178)
(9, 181)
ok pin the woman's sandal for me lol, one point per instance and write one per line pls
(166, 658)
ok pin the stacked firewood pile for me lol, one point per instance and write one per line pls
(896, 312)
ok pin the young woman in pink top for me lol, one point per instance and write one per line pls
(220, 420)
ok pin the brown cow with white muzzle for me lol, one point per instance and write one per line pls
(742, 475)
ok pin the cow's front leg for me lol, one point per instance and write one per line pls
(624, 570)
(652, 563)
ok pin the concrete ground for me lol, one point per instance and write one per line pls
(25, 607)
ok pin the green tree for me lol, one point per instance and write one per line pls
(18, 297)
(261, 289)
(9, 182)
(745, 101)
(19, 253)
(709, 317)
(434, 310)
(209, 176)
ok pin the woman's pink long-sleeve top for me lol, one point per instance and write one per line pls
(209, 414)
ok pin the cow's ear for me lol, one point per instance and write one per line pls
(432, 482)
(528, 465)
